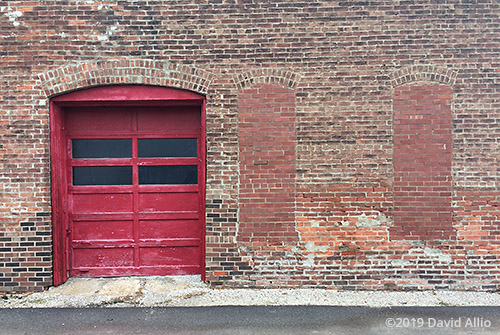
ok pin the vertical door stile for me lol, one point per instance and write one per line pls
(201, 186)
(66, 200)
(58, 169)
(68, 222)
(135, 191)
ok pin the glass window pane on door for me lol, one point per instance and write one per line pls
(167, 147)
(102, 175)
(102, 148)
(170, 174)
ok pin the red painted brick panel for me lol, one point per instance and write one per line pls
(422, 162)
(267, 164)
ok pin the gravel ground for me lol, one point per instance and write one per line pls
(190, 291)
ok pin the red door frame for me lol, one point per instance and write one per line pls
(125, 95)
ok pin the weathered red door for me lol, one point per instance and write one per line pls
(133, 187)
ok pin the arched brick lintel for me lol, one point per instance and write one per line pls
(267, 76)
(124, 71)
(416, 73)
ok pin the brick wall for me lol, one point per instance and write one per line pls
(266, 130)
(345, 68)
(422, 162)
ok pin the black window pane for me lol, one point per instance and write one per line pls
(167, 147)
(109, 148)
(171, 174)
(102, 175)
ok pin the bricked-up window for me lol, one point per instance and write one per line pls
(422, 162)
(267, 164)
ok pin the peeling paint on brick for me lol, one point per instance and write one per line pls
(432, 254)
(12, 14)
(400, 262)
(445, 258)
(311, 246)
(373, 221)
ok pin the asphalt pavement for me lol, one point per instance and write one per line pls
(237, 320)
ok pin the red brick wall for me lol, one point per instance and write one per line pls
(266, 129)
(422, 162)
(347, 64)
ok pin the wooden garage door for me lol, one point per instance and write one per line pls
(134, 190)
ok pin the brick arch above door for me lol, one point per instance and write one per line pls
(124, 71)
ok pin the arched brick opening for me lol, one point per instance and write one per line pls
(100, 227)
(423, 143)
(124, 71)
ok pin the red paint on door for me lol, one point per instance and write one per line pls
(128, 174)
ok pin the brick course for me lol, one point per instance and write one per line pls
(343, 69)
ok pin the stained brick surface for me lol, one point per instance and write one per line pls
(422, 162)
(267, 164)
(343, 73)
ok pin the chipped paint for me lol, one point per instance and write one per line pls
(400, 262)
(109, 32)
(12, 14)
(432, 253)
(311, 246)
(365, 221)
(309, 261)
(438, 253)
(314, 223)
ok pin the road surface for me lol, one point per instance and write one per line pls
(252, 320)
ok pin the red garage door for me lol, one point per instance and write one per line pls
(134, 195)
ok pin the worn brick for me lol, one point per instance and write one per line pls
(325, 123)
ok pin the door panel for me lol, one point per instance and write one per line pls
(168, 202)
(102, 257)
(98, 119)
(150, 229)
(170, 256)
(181, 119)
(102, 203)
(102, 230)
